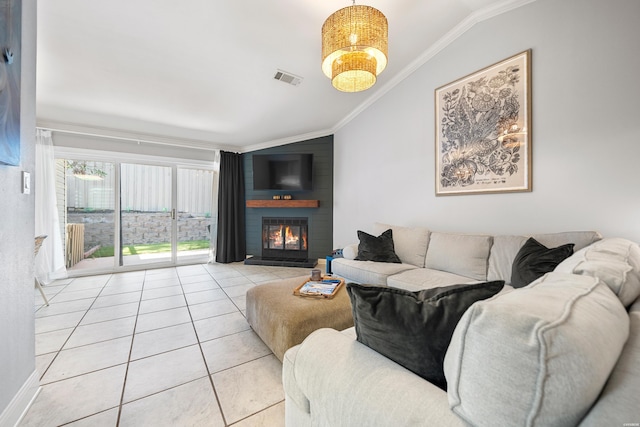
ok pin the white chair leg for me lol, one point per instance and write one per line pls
(39, 286)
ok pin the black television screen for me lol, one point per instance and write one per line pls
(291, 172)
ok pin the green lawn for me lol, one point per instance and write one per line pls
(155, 248)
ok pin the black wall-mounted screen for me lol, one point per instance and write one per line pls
(291, 172)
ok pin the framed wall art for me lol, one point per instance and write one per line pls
(483, 130)
(10, 40)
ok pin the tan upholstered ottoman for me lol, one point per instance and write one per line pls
(283, 320)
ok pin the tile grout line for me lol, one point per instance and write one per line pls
(247, 362)
(204, 359)
(141, 358)
(67, 340)
(255, 413)
(103, 288)
(86, 416)
(133, 337)
(74, 329)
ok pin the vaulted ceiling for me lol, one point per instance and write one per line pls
(200, 72)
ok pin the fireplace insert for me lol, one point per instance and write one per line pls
(284, 242)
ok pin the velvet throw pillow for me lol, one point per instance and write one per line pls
(534, 260)
(414, 328)
(380, 249)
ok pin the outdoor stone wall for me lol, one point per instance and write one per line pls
(138, 227)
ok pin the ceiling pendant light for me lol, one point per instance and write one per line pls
(354, 47)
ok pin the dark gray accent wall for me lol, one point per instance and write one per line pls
(320, 219)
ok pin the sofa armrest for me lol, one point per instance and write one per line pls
(297, 410)
(346, 383)
(289, 381)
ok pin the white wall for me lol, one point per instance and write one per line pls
(18, 379)
(586, 131)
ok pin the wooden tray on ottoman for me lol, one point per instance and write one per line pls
(334, 280)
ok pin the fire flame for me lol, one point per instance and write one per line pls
(291, 239)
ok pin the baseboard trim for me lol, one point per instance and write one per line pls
(21, 402)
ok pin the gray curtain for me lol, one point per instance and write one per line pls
(231, 243)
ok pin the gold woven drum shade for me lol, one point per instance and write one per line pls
(354, 47)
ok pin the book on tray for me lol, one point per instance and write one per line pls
(321, 287)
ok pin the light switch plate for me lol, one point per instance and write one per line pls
(26, 182)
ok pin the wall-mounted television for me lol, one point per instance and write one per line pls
(290, 172)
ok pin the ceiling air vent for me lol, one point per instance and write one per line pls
(286, 77)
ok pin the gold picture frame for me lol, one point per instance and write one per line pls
(483, 130)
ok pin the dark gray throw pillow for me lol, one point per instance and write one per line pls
(380, 249)
(414, 328)
(534, 260)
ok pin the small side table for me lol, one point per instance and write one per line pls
(329, 259)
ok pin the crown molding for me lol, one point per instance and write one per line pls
(457, 31)
(288, 140)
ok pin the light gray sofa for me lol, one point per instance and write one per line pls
(561, 351)
(431, 258)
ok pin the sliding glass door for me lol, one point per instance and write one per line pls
(125, 215)
(194, 213)
(146, 214)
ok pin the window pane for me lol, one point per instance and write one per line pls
(85, 196)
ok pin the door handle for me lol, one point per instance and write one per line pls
(173, 214)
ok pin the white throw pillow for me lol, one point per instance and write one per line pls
(537, 356)
(350, 251)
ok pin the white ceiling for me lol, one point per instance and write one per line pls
(200, 72)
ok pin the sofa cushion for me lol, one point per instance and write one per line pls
(580, 239)
(425, 278)
(534, 259)
(410, 243)
(505, 248)
(503, 252)
(463, 254)
(618, 402)
(375, 273)
(351, 385)
(546, 350)
(414, 328)
(379, 249)
(615, 261)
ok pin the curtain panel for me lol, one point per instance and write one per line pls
(231, 242)
(49, 264)
(213, 235)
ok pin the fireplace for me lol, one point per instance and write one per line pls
(284, 238)
(284, 242)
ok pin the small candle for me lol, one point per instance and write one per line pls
(316, 275)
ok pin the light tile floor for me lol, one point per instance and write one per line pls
(165, 347)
